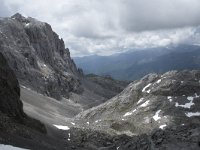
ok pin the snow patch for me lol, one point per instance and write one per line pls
(10, 147)
(187, 105)
(162, 126)
(118, 147)
(190, 98)
(158, 81)
(148, 91)
(129, 113)
(145, 104)
(88, 123)
(25, 87)
(97, 121)
(62, 127)
(169, 98)
(72, 123)
(156, 116)
(27, 24)
(191, 114)
(147, 86)
(68, 137)
(196, 96)
(140, 100)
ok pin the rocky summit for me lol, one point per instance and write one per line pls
(37, 55)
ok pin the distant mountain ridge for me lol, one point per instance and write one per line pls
(133, 65)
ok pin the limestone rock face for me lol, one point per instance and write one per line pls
(38, 56)
(155, 101)
(10, 103)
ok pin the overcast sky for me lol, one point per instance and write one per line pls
(105, 27)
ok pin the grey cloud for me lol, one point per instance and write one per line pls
(109, 26)
(4, 11)
(159, 14)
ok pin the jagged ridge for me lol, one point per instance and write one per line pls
(37, 55)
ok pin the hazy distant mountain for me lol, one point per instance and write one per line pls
(135, 64)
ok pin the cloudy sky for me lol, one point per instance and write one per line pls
(105, 27)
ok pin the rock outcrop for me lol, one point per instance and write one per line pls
(10, 103)
(14, 123)
(37, 55)
(155, 101)
(174, 138)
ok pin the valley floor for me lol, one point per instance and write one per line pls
(48, 110)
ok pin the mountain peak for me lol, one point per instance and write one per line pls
(41, 49)
(19, 17)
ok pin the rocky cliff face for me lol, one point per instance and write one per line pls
(155, 101)
(38, 55)
(42, 63)
(14, 123)
(10, 103)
